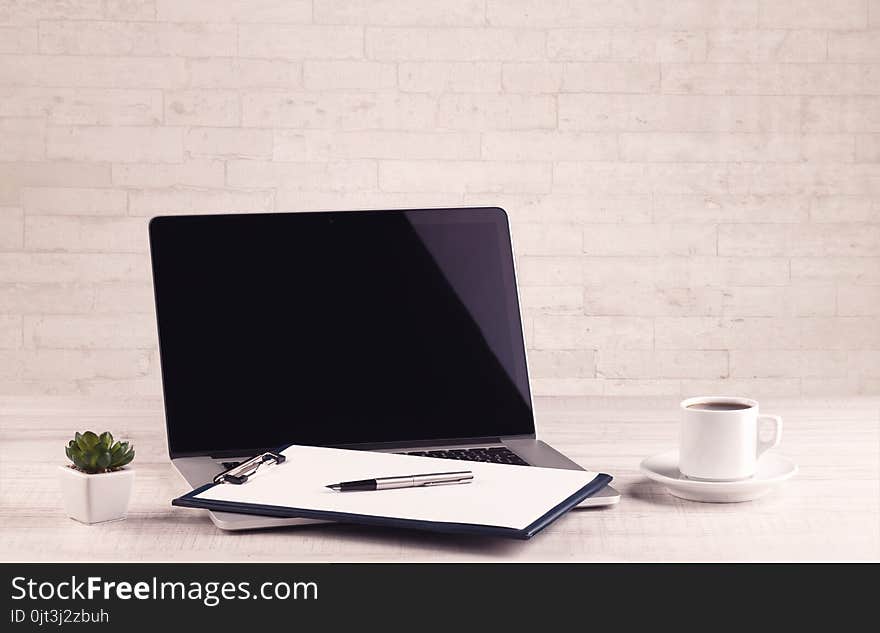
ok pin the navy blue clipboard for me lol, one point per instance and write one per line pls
(189, 500)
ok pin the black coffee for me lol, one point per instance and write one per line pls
(719, 406)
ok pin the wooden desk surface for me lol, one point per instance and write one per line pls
(830, 511)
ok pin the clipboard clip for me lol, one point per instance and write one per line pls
(239, 474)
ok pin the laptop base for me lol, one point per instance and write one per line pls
(200, 470)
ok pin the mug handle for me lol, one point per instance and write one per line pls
(777, 433)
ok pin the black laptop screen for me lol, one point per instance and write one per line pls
(360, 327)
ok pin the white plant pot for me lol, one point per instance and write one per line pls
(96, 498)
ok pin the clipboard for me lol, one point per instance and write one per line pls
(503, 501)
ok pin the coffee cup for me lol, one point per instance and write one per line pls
(721, 439)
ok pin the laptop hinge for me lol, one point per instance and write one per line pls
(369, 446)
(378, 446)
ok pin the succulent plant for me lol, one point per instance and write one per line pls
(92, 453)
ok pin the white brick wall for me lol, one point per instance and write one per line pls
(693, 185)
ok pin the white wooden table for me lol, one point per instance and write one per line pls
(830, 511)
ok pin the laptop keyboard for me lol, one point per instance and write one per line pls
(493, 454)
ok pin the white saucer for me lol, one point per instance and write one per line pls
(773, 469)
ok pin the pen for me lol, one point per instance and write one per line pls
(405, 481)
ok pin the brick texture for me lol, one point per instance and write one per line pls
(693, 185)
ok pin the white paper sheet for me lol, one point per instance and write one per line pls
(500, 495)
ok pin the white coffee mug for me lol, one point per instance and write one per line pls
(720, 438)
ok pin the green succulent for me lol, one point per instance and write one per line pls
(92, 453)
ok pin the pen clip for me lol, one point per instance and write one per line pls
(464, 477)
(240, 474)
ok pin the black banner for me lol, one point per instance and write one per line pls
(237, 596)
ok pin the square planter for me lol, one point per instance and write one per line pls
(96, 498)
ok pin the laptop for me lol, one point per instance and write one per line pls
(396, 331)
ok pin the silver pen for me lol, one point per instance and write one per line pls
(405, 481)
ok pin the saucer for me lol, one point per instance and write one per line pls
(773, 469)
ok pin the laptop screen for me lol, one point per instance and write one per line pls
(360, 327)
